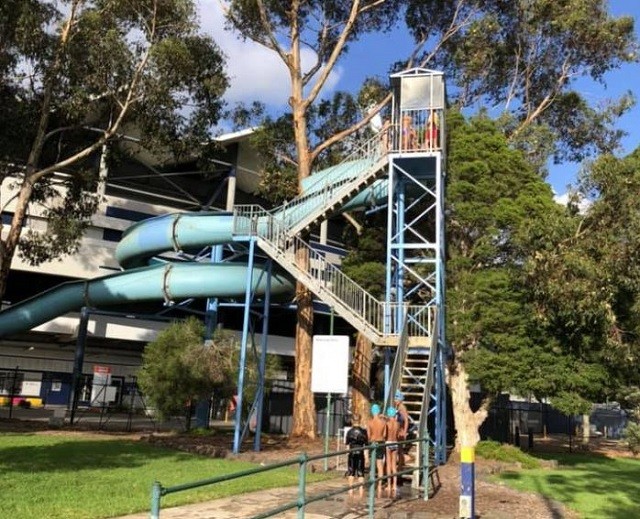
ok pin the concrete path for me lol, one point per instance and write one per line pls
(249, 505)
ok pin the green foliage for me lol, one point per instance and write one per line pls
(94, 69)
(492, 450)
(365, 261)
(494, 198)
(630, 401)
(66, 220)
(177, 368)
(524, 57)
(631, 434)
(585, 276)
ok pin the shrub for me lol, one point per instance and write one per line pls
(492, 450)
(631, 433)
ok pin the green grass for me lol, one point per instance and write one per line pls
(595, 486)
(79, 476)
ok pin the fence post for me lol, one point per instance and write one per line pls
(156, 494)
(372, 478)
(13, 391)
(302, 482)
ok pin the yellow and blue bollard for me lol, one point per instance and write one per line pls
(467, 483)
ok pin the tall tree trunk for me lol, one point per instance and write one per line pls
(467, 422)
(304, 409)
(9, 244)
(361, 381)
(586, 430)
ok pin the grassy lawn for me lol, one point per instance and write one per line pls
(595, 486)
(82, 476)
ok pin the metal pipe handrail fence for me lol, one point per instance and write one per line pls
(302, 461)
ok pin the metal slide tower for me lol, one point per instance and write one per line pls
(402, 166)
(416, 246)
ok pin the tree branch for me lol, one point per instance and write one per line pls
(352, 129)
(452, 30)
(111, 131)
(335, 53)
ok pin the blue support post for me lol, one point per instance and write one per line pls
(243, 347)
(211, 318)
(441, 409)
(203, 407)
(263, 359)
(389, 270)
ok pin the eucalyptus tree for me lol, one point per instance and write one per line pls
(585, 278)
(74, 76)
(327, 29)
(523, 59)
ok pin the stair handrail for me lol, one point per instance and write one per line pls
(426, 396)
(398, 362)
(368, 152)
(327, 277)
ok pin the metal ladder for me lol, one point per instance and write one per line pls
(413, 374)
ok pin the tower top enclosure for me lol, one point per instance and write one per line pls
(417, 113)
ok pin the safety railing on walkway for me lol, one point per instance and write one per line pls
(366, 313)
(302, 462)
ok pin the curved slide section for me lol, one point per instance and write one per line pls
(155, 283)
(172, 280)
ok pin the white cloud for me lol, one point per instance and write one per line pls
(583, 204)
(255, 73)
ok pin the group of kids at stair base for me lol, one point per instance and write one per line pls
(385, 431)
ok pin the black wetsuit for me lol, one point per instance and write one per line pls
(356, 437)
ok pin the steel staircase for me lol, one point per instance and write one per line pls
(277, 232)
(327, 191)
(352, 302)
(413, 374)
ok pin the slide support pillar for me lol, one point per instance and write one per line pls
(243, 348)
(263, 360)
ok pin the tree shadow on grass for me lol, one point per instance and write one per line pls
(78, 455)
(612, 483)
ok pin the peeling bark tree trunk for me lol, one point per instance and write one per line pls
(586, 430)
(361, 381)
(304, 409)
(467, 422)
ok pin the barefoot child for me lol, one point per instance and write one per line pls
(393, 430)
(377, 432)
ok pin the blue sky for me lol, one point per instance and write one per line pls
(258, 74)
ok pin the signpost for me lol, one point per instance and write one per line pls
(329, 373)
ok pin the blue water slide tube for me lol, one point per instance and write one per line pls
(143, 281)
(159, 282)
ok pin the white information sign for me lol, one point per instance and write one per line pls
(330, 364)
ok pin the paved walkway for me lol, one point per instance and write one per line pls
(249, 505)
